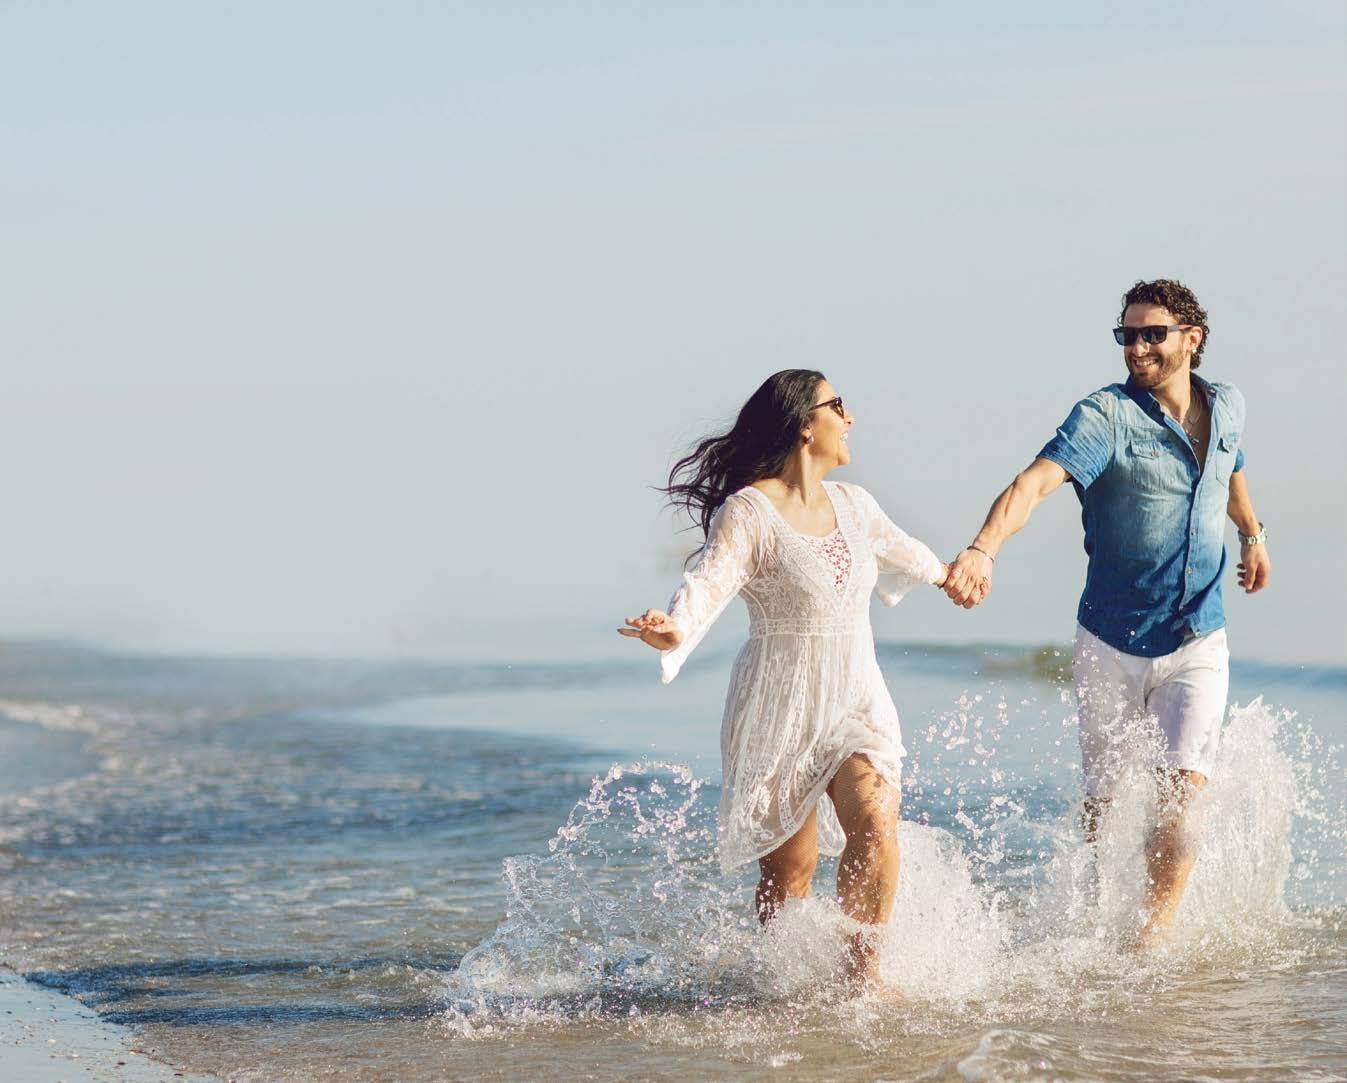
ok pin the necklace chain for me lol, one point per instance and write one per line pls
(1189, 426)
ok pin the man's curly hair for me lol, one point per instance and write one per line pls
(1176, 297)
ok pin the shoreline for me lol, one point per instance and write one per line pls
(46, 1036)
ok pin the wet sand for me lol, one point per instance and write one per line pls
(45, 1037)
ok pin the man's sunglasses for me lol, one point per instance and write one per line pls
(836, 405)
(1155, 334)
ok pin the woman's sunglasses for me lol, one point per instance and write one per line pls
(836, 405)
(1155, 334)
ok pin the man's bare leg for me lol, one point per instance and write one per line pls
(1091, 817)
(1171, 852)
(867, 874)
(787, 871)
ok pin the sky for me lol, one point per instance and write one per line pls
(355, 329)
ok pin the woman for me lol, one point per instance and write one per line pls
(807, 712)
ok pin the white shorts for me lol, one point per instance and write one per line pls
(1182, 693)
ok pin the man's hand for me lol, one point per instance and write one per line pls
(969, 579)
(1254, 568)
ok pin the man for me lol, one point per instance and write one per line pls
(1157, 465)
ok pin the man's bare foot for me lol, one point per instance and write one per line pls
(1152, 935)
(884, 993)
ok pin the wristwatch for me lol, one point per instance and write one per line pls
(1254, 539)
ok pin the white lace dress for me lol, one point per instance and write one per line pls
(805, 692)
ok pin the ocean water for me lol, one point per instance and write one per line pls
(300, 870)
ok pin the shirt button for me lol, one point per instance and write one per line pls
(1190, 571)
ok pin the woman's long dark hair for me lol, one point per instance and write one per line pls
(764, 434)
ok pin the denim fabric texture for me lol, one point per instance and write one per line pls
(1154, 516)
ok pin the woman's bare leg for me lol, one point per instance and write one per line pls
(867, 874)
(788, 870)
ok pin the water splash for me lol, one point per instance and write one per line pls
(1008, 917)
(629, 901)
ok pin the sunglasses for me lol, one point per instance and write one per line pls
(836, 405)
(1155, 334)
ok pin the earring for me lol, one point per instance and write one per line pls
(808, 439)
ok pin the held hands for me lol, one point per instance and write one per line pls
(1254, 568)
(653, 627)
(969, 578)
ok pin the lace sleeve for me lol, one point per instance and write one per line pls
(724, 566)
(904, 562)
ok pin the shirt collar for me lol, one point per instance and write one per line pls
(1151, 405)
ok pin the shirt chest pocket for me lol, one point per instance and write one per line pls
(1227, 450)
(1152, 467)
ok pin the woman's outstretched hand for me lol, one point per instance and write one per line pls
(654, 627)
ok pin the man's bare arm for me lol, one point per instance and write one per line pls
(1255, 567)
(1008, 514)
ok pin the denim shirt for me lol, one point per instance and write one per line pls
(1154, 519)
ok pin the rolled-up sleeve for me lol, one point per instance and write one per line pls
(1083, 444)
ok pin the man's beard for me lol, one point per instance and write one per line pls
(1153, 376)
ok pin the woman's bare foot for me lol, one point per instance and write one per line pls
(863, 963)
